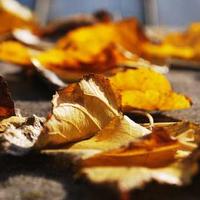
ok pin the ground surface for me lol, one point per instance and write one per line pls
(37, 177)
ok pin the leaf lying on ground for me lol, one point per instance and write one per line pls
(146, 89)
(95, 49)
(19, 134)
(81, 110)
(6, 103)
(107, 146)
(14, 52)
(179, 45)
(160, 156)
(121, 151)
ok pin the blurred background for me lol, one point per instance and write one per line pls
(153, 12)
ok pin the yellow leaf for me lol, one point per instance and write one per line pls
(181, 45)
(95, 49)
(146, 89)
(14, 15)
(14, 52)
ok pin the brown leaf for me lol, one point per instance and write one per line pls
(80, 111)
(161, 156)
(6, 103)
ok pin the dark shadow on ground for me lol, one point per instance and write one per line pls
(47, 168)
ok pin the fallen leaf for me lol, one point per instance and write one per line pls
(82, 110)
(182, 45)
(146, 89)
(19, 134)
(14, 52)
(6, 103)
(95, 49)
(14, 15)
(154, 157)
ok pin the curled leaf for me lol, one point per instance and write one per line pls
(19, 134)
(80, 111)
(119, 132)
(155, 157)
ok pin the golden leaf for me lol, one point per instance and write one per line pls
(98, 48)
(14, 15)
(146, 89)
(14, 52)
(182, 45)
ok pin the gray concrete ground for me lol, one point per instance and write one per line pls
(41, 177)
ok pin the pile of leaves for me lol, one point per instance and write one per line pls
(105, 145)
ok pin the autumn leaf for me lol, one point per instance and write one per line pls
(15, 52)
(6, 103)
(160, 156)
(146, 89)
(82, 110)
(18, 134)
(14, 15)
(95, 49)
(178, 45)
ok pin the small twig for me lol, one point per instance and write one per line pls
(146, 114)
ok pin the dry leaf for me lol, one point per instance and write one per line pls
(146, 89)
(81, 110)
(19, 134)
(160, 156)
(6, 103)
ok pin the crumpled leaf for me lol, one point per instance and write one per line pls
(82, 110)
(6, 103)
(119, 132)
(146, 89)
(161, 156)
(18, 134)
